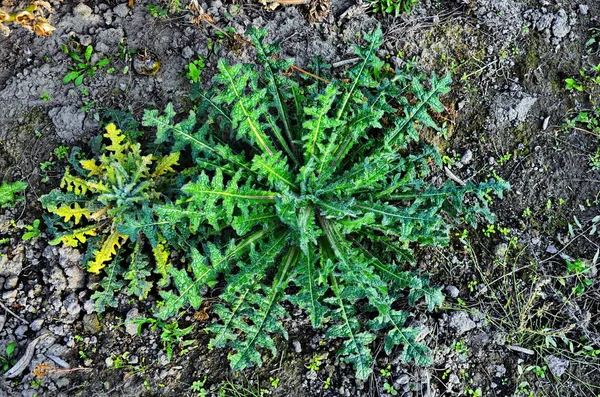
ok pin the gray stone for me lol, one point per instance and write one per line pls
(122, 10)
(560, 27)
(73, 308)
(556, 365)
(10, 296)
(68, 256)
(11, 282)
(467, 157)
(21, 330)
(130, 326)
(583, 9)
(403, 379)
(83, 11)
(75, 277)
(56, 278)
(461, 322)
(187, 52)
(452, 291)
(102, 48)
(12, 264)
(36, 325)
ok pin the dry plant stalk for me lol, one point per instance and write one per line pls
(33, 18)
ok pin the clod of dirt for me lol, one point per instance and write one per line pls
(556, 365)
(10, 267)
(461, 322)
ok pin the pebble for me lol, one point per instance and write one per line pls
(36, 325)
(12, 266)
(467, 157)
(461, 322)
(91, 325)
(557, 366)
(122, 10)
(452, 291)
(20, 331)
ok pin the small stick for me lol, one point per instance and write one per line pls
(13, 313)
(451, 175)
(345, 62)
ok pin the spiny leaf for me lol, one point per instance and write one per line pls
(106, 252)
(69, 212)
(8, 193)
(165, 165)
(76, 236)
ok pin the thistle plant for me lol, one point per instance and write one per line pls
(318, 193)
(106, 205)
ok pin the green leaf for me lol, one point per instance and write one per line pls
(71, 76)
(9, 191)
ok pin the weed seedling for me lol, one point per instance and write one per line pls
(61, 152)
(395, 7)
(83, 67)
(33, 231)
(194, 69)
(8, 361)
(390, 389)
(10, 193)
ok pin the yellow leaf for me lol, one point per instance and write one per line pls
(165, 164)
(106, 252)
(92, 167)
(116, 139)
(99, 214)
(80, 186)
(161, 256)
(76, 236)
(76, 212)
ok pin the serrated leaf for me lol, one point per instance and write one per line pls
(109, 248)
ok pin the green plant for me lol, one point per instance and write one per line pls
(385, 372)
(61, 152)
(9, 193)
(572, 84)
(390, 389)
(45, 96)
(170, 335)
(393, 6)
(33, 231)
(106, 205)
(274, 382)
(304, 183)
(8, 360)
(194, 69)
(198, 387)
(83, 66)
(315, 363)
(157, 11)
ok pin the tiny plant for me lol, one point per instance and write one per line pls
(395, 7)
(390, 389)
(33, 231)
(194, 69)
(61, 152)
(83, 66)
(7, 360)
(198, 387)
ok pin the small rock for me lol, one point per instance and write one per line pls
(109, 362)
(454, 379)
(122, 10)
(467, 157)
(551, 249)
(14, 265)
(11, 282)
(403, 379)
(82, 10)
(556, 365)
(461, 322)
(560, 27)
(583, 9)
(10, 296)
(297, 346)
(131, 327)
(20, 331)
(73, 308)
(452, 291)
(91, 325)
(187, 52)
(36, 325)
(68, 256)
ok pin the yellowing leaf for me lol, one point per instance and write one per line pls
(76, 236)
(161, 256)
(106, 252)
(80, 186)
(75, 212)
(99, 214)
(165, 164)
(92, 167)
(116, 138)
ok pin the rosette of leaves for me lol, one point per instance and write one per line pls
(106, 204)
(323, 191)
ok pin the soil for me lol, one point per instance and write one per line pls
(509, 60)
